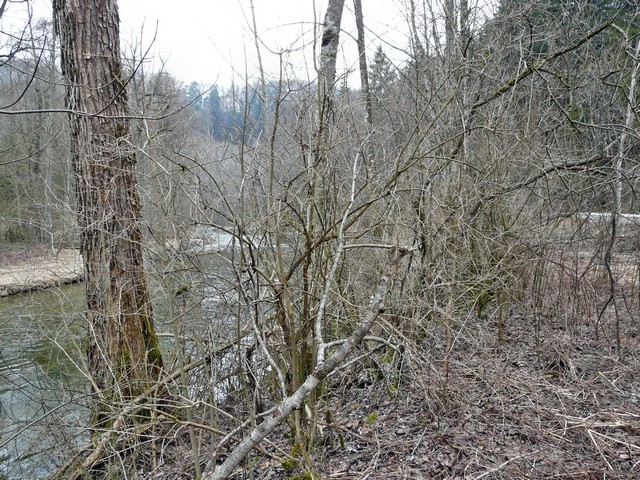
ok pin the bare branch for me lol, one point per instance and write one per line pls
(294, 401)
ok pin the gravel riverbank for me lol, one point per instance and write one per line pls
(26, 268)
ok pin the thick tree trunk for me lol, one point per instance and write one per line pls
(123, 351)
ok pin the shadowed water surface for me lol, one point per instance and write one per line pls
(42, 390)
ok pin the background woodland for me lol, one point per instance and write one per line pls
(479, 199)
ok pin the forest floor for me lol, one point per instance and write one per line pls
(553, 399)
(34, 267)
(559, 403)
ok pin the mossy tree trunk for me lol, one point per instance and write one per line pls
(123, 353)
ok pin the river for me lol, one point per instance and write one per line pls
(42, 390)
(43, 384)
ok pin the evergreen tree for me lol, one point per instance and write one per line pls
(382, 74)
(252, 106)
(214, 114)
(193, 95)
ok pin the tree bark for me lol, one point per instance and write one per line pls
(329, 48)
(362, 56)
(123, 352)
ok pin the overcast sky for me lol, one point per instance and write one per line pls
(209, 40)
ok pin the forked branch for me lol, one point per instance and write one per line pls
(294, 401)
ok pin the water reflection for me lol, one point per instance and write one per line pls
(43, 386)
(42, 390)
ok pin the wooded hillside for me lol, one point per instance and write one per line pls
(433, 274)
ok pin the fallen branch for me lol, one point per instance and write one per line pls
(294, 401)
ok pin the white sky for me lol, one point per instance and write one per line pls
(209, 40)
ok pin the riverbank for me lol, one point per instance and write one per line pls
(24, 268)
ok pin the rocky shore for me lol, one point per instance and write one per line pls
(27, 268)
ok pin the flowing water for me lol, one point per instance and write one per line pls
(44, 390)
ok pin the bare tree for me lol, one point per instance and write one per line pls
(362, 57)
(487, 136)
(123, 352)
(329, 51)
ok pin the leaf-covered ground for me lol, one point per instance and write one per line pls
(557, 404)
